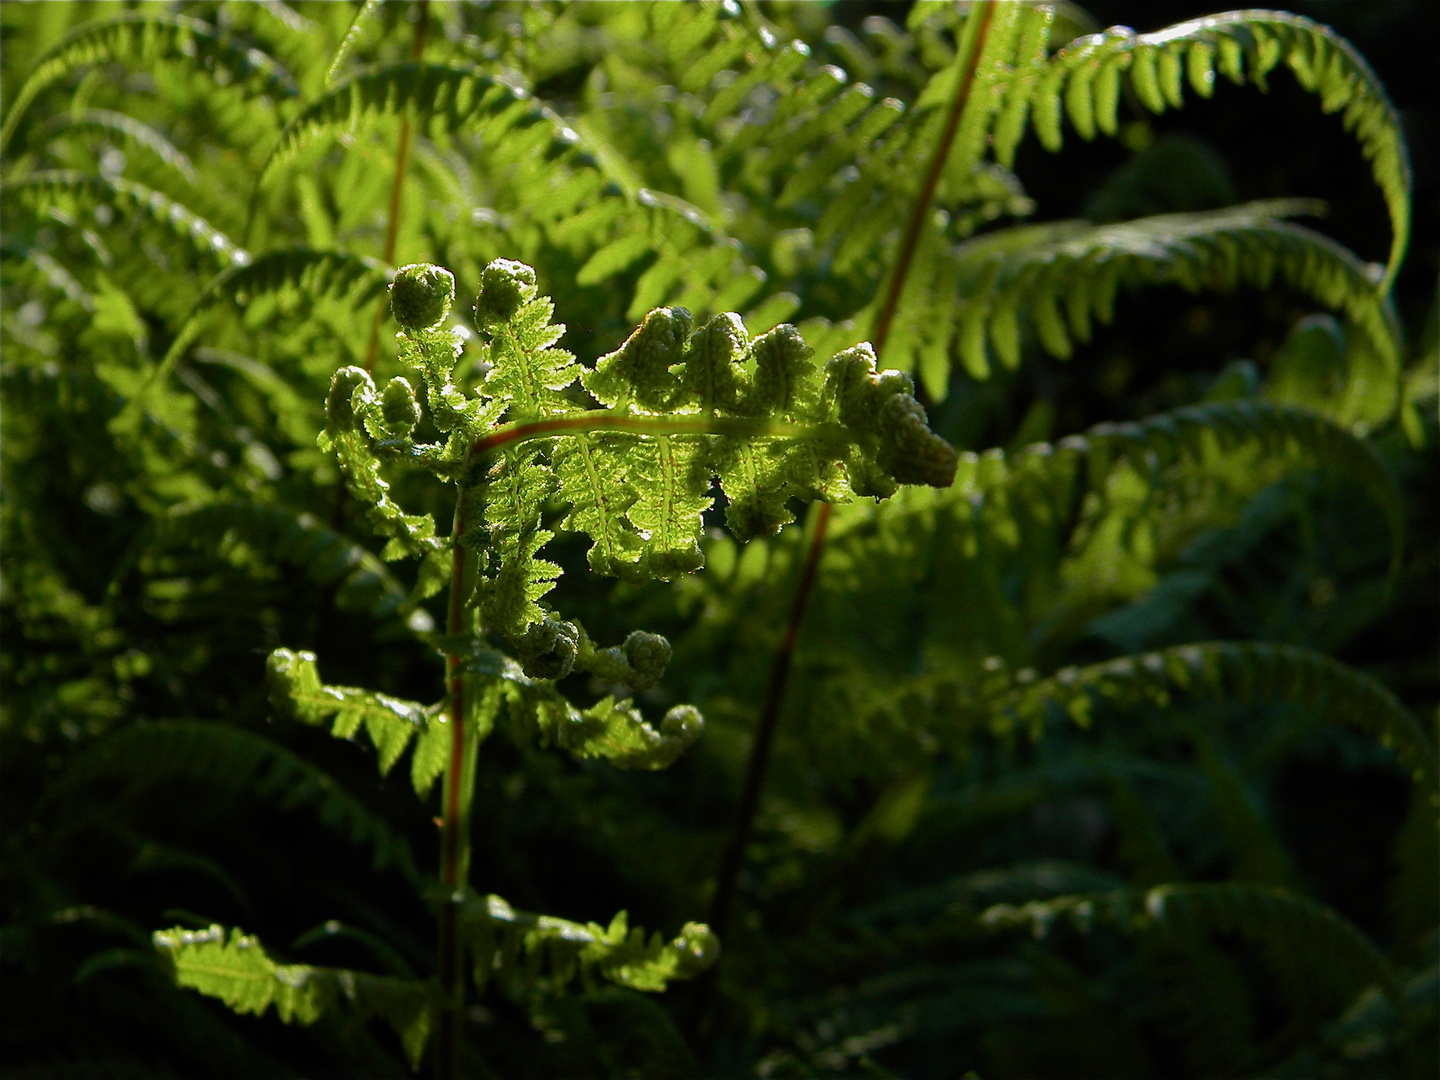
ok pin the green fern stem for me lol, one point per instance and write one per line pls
(604, 421)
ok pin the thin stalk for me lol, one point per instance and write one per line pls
(524, 430)
(455, 815)
(397, 188)
(733, 857)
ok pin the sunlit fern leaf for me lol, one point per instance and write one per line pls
(1060, 283)
(364, 583)
(225, 758)
(131, 199)
(612, 729)
(1083, 81)
(1303, 938)
(116, 125)
(236, 969)
(1240, 672)
(297, 693)
(523, 950)
(144, 38)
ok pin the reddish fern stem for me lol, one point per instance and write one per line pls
(734, 854)
(451, 826)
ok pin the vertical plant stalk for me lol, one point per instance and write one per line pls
(397, 188)
(455, 813)
(733, 858)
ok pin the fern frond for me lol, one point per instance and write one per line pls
(231, 759)
(129, 130)
(612, 729)
(1063, 280)
(364, 583)
(1304, 938)
(296, 693)
(1248, 672)
(364, 14)
(522, 948)
(1083, 80)
(236, 969)
(443, 98)
(334, 274)
(146, 38)
(51, 187)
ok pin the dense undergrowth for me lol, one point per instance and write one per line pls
(1046, 687)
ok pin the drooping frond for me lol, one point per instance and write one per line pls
(1083, 82)
(146, 38)
(364, 583)
(522, 949)
(236, 969)
(297, 693)
(1303, 938)
(335, 274)
(1061, 277)
(1281, 433)
(129, 198)
(1242, 672)
(442, 98)
(129, 130)
(225, 758)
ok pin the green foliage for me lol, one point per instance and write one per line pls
(1149, 669)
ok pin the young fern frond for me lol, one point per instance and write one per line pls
(1242, 672)
(227, 758)
(1304, 939)
(236, 969)
(148, 38)
(1083, 81)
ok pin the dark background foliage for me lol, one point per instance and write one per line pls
(104, 636)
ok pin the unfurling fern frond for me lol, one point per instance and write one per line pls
(1083, 80)
(521, 949)
(1304, 939)
(1246, 672)
(148, 38)
(231, 759)
(236, 969)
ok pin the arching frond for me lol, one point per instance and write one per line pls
(1083, 80)
(130, 198)
(443, 98)
(127, 129)
(1060, 277)
(1243, 672)
(142, 37)
(364, 583)
(236, 969)
(364, 14)
(1302, 937)
(231, 759)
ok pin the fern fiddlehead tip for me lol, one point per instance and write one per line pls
(421, 295)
